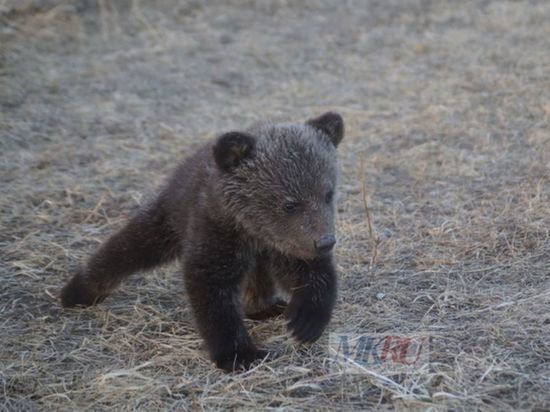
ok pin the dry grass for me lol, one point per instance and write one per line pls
(448, 147)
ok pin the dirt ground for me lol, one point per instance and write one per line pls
(447, 107)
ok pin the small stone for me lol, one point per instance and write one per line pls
(385, 234)
(380, 295)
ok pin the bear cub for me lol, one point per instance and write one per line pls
(249, 214)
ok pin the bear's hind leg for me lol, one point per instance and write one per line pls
(146, 241)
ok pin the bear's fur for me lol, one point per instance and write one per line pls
(248, 213)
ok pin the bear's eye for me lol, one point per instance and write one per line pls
(329, 196)
(290, 207)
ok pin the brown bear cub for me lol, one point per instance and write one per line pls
(248, 214)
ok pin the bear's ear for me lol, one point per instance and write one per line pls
(331, 124)
(231, 148)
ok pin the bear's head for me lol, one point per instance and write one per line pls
(279, 181)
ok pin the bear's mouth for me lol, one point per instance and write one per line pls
(301, 251)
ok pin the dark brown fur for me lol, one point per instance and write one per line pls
(247, 214)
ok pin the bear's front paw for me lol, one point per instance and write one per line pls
(240, 360)
(307, 317)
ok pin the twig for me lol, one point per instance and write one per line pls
(373, 238)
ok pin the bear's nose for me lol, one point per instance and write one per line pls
(325, 244)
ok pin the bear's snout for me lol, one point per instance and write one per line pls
(325, 244)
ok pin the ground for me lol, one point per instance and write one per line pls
(444, 204)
